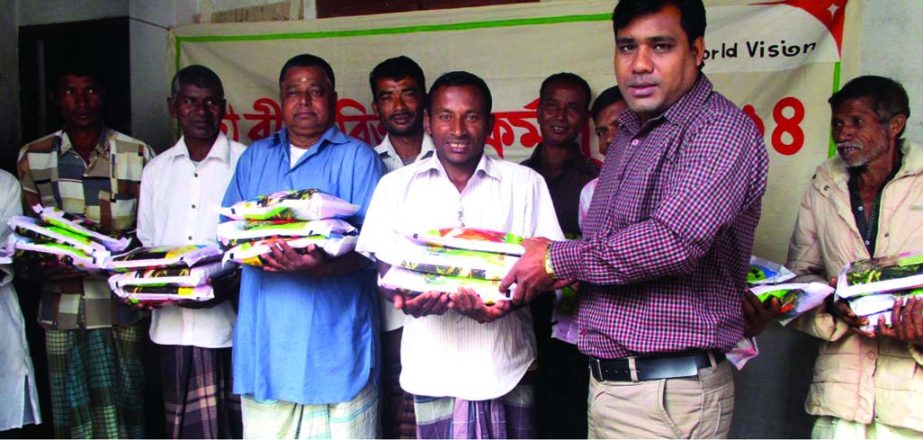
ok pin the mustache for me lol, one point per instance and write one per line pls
(849, 144)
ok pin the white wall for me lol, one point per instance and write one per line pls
(150, 80)
(890, 48)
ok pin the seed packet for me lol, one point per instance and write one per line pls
(65, 253)
(453, 262)
(304, 205)
(794, 298)
(868, 305)
(880, 275)
(745, 350)
(170, 276)
(473, 239)
(80, 226)
(164, 256)
(235, 232)
(398, 278)
(767, 272)
(154, 295)
(40, 232)
(249, 253)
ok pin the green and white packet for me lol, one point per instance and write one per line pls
(235, 232)
(249, 253)
(36, 230)
(80, 226)
(302, 205)
(398, 278)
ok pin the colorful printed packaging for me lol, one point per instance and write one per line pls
(398, 278)
(454, 262)
(767, 272)
(471, 239)
(303, 205)
(249, 253)
(164, 256)
(158, 295)
(34, 229)
(170, 276)
(80, 226)
(794, 298)
(880, 275)
(237, 232)
(65, 253)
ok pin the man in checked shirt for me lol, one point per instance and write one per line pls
(667, 238)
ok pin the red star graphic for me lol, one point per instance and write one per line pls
(829, 12)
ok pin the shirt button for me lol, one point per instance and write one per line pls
(635, 142)
(887, 234)
(195, 174)
(867, 242)
(870, 355)
(861, 208)
(193, 206)
(190, 238)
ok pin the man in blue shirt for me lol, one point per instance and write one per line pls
(305, 351)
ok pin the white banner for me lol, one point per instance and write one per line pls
(778, 60)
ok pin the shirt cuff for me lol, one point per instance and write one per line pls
(565, 258)
(916, 353)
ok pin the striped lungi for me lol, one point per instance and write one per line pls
(197, 392)
(508, 416)
(97, 382)
(357, 418)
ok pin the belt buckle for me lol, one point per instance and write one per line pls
(596, 369)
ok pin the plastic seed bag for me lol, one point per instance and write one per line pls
(451, 262)
(236, 232)
(767, 272)
(794, 298)
(473, 239)
(81, 226)
(164, 256)
(39, 232)
(169, 276)
(879, 275)
(155, 295)
(249, 253)
(67, 254)
(306, 204)
(401, 279)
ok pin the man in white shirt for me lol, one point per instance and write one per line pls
(465, 362)
(398, 92)
(178, 206)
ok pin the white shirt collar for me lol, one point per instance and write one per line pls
(221, 149)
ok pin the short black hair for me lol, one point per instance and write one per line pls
(396, 69)
(199, 76)
(887, 96)
(692, 14)
(458, 79)
(308, 60)
(89, 69)
(605, 99)
(566, 77)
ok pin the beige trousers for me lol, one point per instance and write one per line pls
(691, 407)
(834, 428)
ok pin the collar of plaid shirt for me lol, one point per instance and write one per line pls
(669, 232)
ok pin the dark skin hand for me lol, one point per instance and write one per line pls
(844, 313)
(906, 322)
(284, 258)
(470, 304)
(757, 314)
(424, 304)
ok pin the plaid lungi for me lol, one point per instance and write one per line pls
(508, 416)
(197, 392)
(357, 418)
(97, 382)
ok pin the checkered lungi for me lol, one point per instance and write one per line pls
(97, 382)
(508, 416)
(357, 418)
(197, 392)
